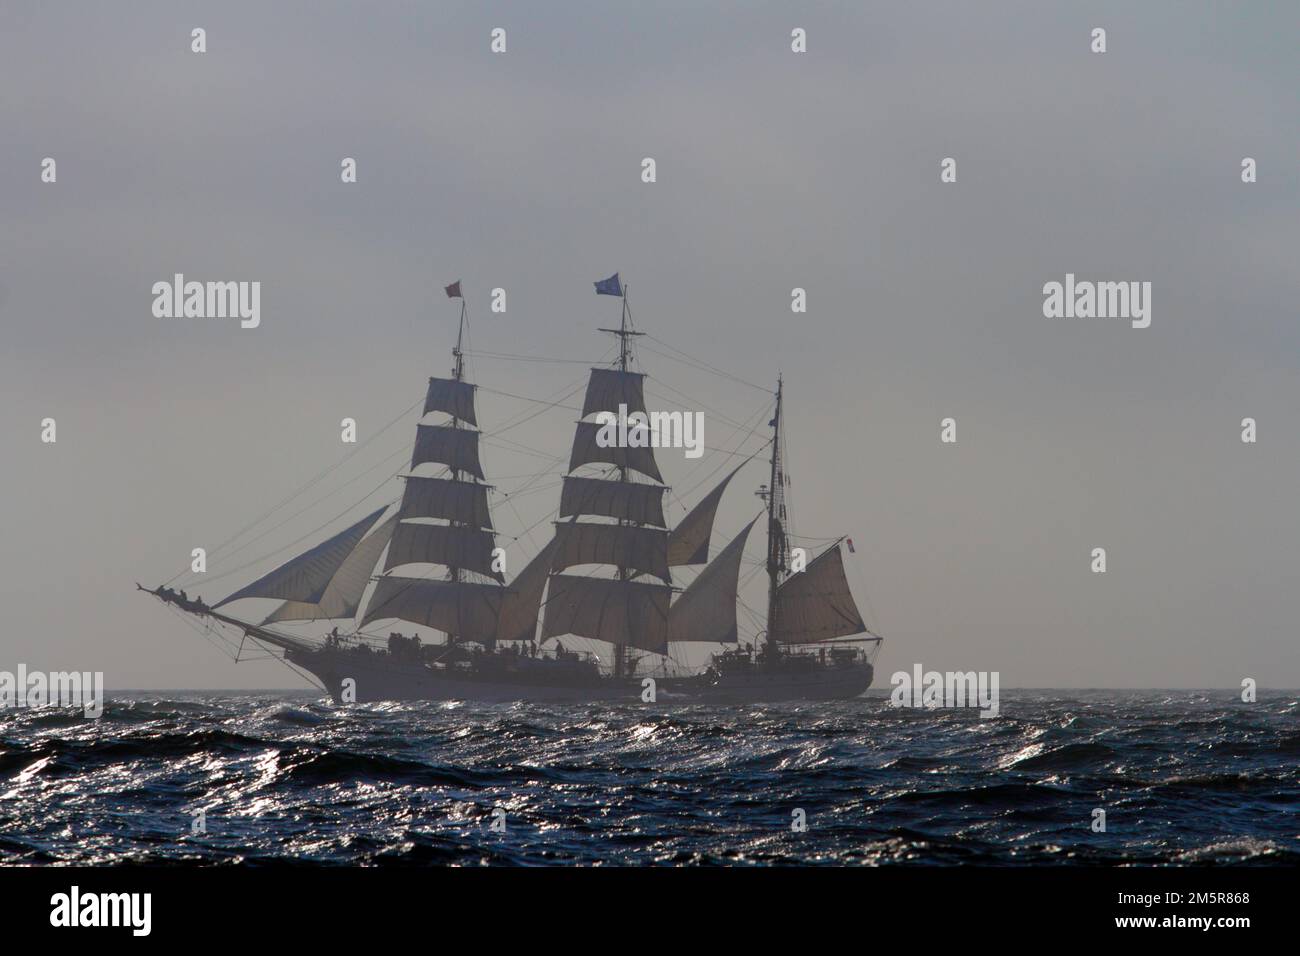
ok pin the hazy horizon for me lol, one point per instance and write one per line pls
(775, 170)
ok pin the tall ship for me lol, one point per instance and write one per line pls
(594, 614)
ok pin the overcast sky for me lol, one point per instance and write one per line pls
(775, 170)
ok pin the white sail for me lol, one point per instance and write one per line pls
(523, 598)
(343, 594)
(706, 611)
(815, 604)
(608, 388)
(620, 612)
(458, 607)
(462, 501)
(587, 451)
(689, 541)
(628, 500)
(451, 545)
(457, 448)
(627, 546)
(306, 577)
(454, 397)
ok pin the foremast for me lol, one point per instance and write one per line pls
(454, 603)
(624, 351)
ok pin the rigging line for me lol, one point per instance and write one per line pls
(528, 532)
(523, 417)
(519, 448)
(711, 368)
(311, 483)
(208, 634)
(318, 501)
(506, 357)
(701, 367)
(694, 401)
(525, 398)
(717, 468)
(305, 537)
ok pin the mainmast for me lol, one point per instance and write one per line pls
(622, 609)
(453, 602)
(776, 540)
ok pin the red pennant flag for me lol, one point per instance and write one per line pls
(851, 549)
(453, 290)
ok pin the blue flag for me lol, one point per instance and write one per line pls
(609, 286)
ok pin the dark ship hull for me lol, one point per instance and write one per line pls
(377, 676)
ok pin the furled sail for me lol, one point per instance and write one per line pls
(816, 604)
(523, 598)
(451, 396)
(457, 448)
(627, 546)
(620, 612)
(452, 545)
(689, 541)
(706, 611)
(608, 388)
(586, 451)
(462, 608)
(613, 499)
(306, 577)
(461, 501)
(343, 594)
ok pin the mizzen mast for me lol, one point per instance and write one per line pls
(774, 495)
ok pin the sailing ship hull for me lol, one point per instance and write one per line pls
(760, 687)
(376, 677)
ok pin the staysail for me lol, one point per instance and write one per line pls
(343, 594)
(306, 577)
(706, 611)
(689, 541)
(523, 599)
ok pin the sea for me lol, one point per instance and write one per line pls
(1058, 778)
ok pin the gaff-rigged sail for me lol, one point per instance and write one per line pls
(816, 604)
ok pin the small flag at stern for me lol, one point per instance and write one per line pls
(852, 550)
